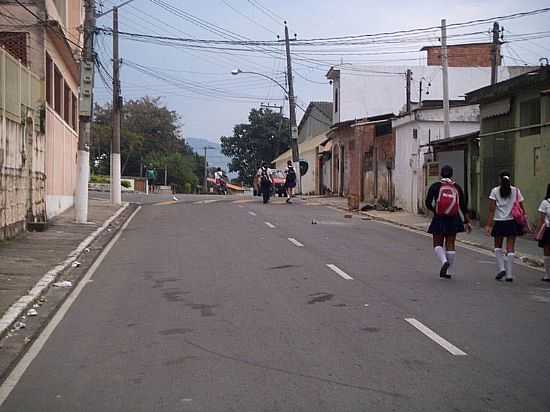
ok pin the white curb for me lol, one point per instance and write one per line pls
(25, 301)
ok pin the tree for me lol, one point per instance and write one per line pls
(150, 135)
(264, 138)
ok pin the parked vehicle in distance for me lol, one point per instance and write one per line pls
(279, 179)
(278, 188)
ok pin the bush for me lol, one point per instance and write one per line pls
(187, 187)
(126, 184)
(100, 179)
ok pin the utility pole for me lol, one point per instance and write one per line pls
(292, 103)
(444, 66)
(205, 180)
(85, 114)
(116, 196)
(408, 76)
(495, 55)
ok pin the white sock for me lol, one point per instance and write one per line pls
(509, 265)
(547, 267)
(451, 255)
(440, 253)
(499, 253)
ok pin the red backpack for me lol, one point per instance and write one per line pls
(448, 200)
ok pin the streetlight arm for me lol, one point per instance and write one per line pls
(265, 76)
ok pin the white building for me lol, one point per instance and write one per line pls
(413, 134)
(365, 91)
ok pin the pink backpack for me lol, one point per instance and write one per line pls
(447, 202)
(517, 212)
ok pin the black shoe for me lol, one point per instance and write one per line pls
(443, 271)
(500, 275)
(545, 279)
(509, 279)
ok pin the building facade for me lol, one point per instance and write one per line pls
(515, 136)
(45, 37)
(416, 164)
(39, 73)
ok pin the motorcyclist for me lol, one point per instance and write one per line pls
(219, 179)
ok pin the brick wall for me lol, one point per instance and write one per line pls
(466, 55)
(367, 157)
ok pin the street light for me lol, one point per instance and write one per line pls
(236, 72)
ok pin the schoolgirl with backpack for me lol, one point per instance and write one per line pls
(543, 232)
(506, 219)
(447, 202)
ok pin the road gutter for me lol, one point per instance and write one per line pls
(25, 301)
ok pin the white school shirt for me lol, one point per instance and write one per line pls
(544, 208)
(504, 207)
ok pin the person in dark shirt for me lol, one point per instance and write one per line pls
(447, 202)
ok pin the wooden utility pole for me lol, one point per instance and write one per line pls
(444, 66)
(85, 114)
(292, 114)
(495, 54)
(116, 196)
(408, 76)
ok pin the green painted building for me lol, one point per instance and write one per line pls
(515, 136)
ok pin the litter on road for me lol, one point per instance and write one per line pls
(32, 312)
(63, 284)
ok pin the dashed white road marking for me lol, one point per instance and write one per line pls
(435, 337)
(206, 202)
(295, 242)
(270, 225)
(339, 271)
(252, 213)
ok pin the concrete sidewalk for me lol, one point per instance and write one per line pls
(26, 260)
(526, 247)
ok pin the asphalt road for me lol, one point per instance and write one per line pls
(206, 305)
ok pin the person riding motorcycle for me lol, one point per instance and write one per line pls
(220, 181)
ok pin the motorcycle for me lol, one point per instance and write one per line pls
(221, 187)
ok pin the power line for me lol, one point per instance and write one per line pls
(247, 17)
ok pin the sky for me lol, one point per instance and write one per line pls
(184, 78)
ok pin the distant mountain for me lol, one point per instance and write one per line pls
(214, 156)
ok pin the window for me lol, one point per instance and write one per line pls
(415, 133)
(74, 113)
(336, 98)
(58, 91)
(382, 129)
(48, 79)
(67, 103)
(529, 113)
(15, 44)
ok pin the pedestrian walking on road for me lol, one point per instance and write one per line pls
(543, 232)
(447, 201)
(506, 219)
(266, 182)
(290, 181)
